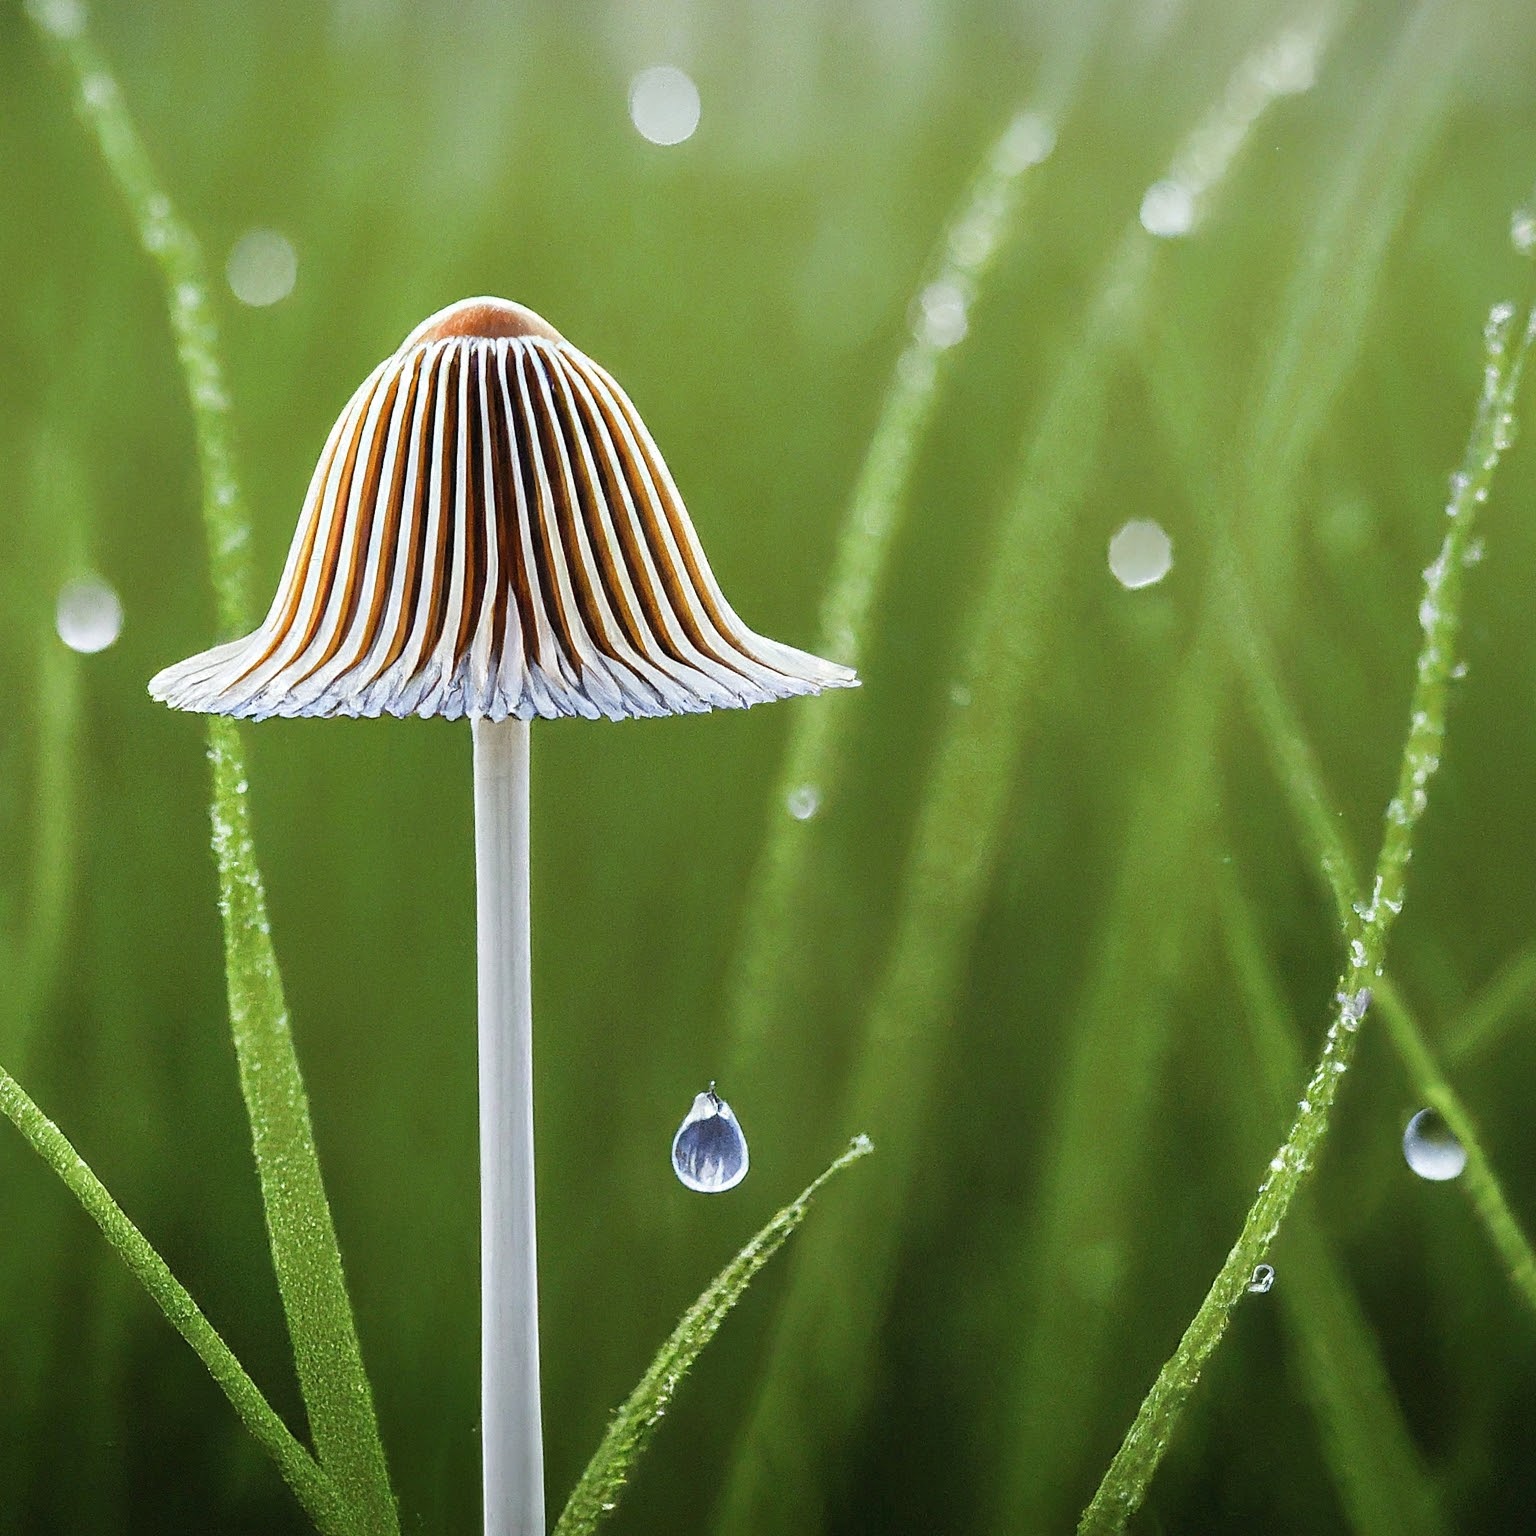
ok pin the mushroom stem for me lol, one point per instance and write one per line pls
(510, 1429)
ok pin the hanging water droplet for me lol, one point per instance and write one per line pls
(1431, 1150)
(709, 1152)
(1261, 1279)
(804, 802)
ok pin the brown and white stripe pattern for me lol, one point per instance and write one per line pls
(491, 531)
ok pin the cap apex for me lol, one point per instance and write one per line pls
(482, 318)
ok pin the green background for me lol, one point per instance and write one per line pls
(752, 289)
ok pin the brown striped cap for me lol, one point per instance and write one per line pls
(491, 531)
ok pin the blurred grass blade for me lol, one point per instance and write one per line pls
(818, 1367)
(775, 918)
(1382, 1482)
(302, 1473)
(1504, 1001)
(1318, 820)
(1096, 1168)
(597, 1493)
(1124, 1486)
(305, 1252)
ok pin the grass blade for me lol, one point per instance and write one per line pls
(597, 1493)
(305, 1252)
(1376, 1467)
(1006, 645)
(300, 1471)
(774, 917)
(1318, 820)
(1124, 1486)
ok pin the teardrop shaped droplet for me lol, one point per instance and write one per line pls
(709, 1152)
(1431, 1149)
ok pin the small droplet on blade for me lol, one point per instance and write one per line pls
(1261, 1279)
(1431, 1148)
(709, 1152)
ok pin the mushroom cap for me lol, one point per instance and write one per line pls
(491, 531)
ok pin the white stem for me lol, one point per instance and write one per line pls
(511, 1434)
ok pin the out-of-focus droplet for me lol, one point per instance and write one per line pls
(262, 267)
(709, 1152)
(1522, 231)
(1430, 1148)
(804, 802)
(1261, 1279)
(1168, 210)
(941, 318)
(664, 104)
(1140, 554)
(89, 616)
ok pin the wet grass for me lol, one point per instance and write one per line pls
(1066, 909)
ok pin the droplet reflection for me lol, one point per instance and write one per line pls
(1261, 1279)
(89, 616)
(1430, 1148)
(709, 1152)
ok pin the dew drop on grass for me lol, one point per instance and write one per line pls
(89, 616)
(1140, 554)
(1261, 1279)
(709, 1152)
(1168, 209)
(941, 319)
(1431, 1150)
(804, 802)
(1522, 231)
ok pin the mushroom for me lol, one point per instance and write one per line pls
(492, 532)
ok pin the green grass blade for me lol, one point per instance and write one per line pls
(775, 918)
(306, 1255)
(1381, 1479)
(313, 1489)
(817, 1369)
(596, 1495)
(1478, 1179)
(1506, 998)
(1318, 819)
(1124, 1485)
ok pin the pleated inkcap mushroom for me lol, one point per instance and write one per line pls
(492, 531)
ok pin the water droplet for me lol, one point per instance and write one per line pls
(804, 802)
(709, 1152)
(1029, 140)
(941, 318)
(262, 267)
(1168, 209)
(1430, 1148)
(1140, 554)
(664, 104)
(1261, 1279)
(1522, 231)
(89, 616)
